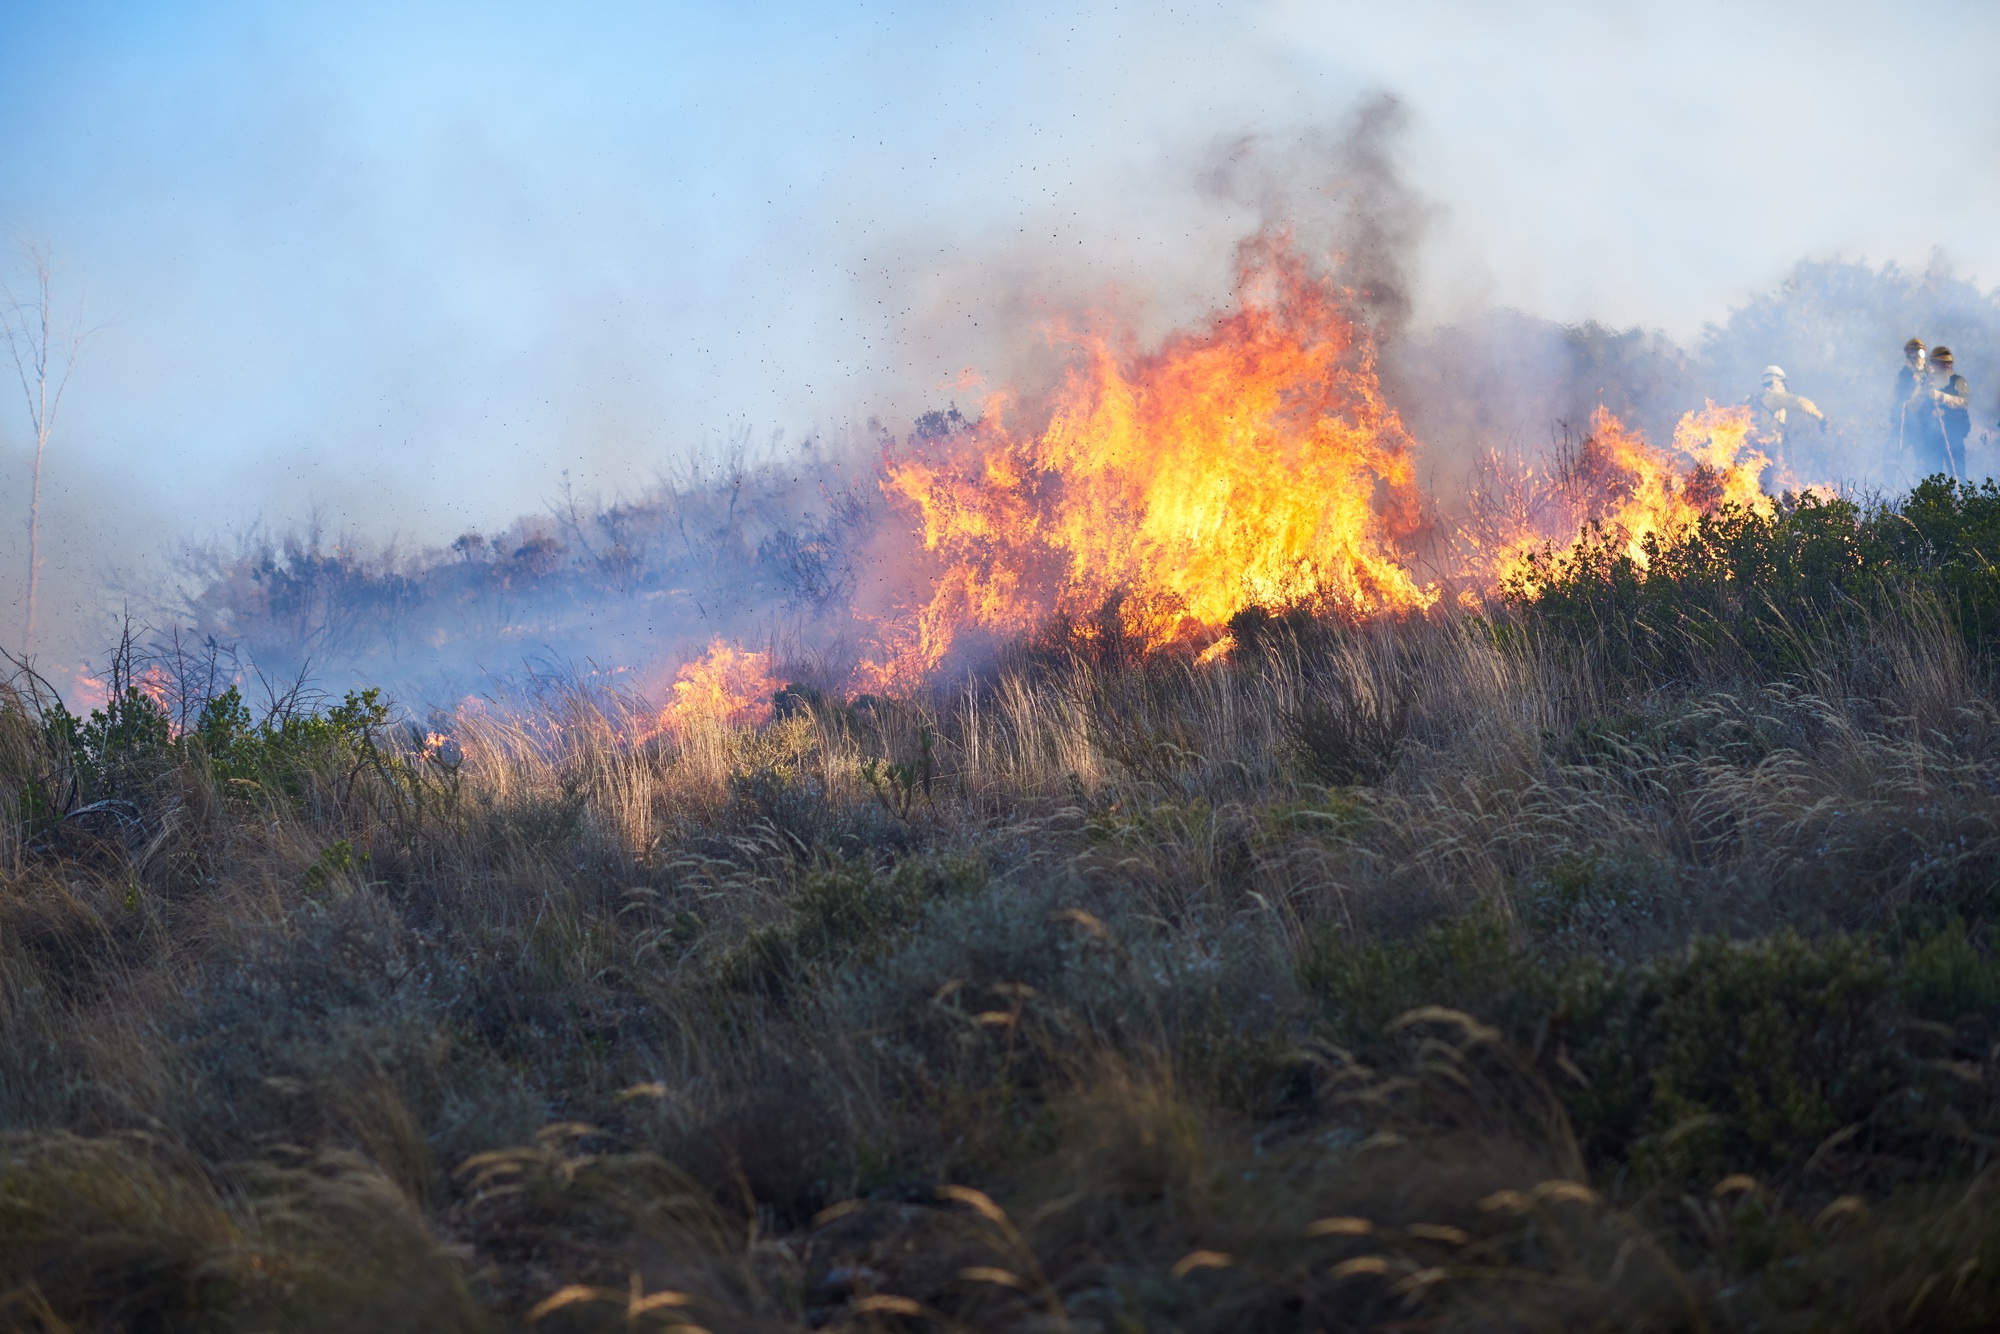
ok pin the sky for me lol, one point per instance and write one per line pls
(413, 267)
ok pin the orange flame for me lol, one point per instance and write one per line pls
(1252, 462)
(1665, 498)
(87, 689)
(90, 689)
(727, 685)
(1632, 491)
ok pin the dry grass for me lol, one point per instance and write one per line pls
(608, 1030)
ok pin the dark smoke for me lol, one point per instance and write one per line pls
(1340, 196)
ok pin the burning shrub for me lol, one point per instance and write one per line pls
(1774, 586)
(1253, 461)
(728, 686)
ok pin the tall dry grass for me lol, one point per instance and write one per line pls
(1318, 989)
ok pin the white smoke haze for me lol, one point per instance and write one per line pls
(408, 273)
(793, 548)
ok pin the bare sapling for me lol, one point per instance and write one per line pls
(45, 355)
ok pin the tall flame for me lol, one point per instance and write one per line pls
(1252, 462)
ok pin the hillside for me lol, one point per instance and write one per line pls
(1618, 957)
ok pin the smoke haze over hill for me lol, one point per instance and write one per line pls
(410, 272)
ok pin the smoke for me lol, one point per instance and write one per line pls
(1837, 328)
(1342, 196)
(766, 552)
(1513, 382)
(794, 549)
(99, 550)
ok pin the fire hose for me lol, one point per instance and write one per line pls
(1937, 410)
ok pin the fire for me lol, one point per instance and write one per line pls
(1252, 462)
(443, 750)
(87, 689)
(1632, 490)
(727, 685)
(1664, 497)
(1728, 465)
(90, 688)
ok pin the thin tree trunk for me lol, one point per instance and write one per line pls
(35, 514)
(32, 341)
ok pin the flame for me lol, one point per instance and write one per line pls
(443, 750)
(1253, 462)
(1665, 497)
(1631, 490)
(1719, 441)
(157, 684)
(726, 685)
(87, 689)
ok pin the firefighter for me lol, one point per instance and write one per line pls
(1776, 411)
(1913, 406)
(1950, 398)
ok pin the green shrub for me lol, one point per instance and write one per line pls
(287, 748)
(1774, 587)
(1754, 1053)
(1469, 963)
(844, 912)
(1573, 892)
(1734, 1056)
(1946, 979)
(118, 752)
(1348, 738)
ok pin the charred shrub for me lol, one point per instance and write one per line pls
(1109, 639)
(808, 565)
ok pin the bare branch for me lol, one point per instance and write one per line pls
(32, 340)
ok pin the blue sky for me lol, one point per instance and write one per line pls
(409, 263)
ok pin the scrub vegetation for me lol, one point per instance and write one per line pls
(1623, 957)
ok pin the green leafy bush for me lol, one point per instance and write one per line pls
(843, 911)
(1753, 1054)
(1732, 1056)
(288, 746)
(116, 758)
(1772, 587)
